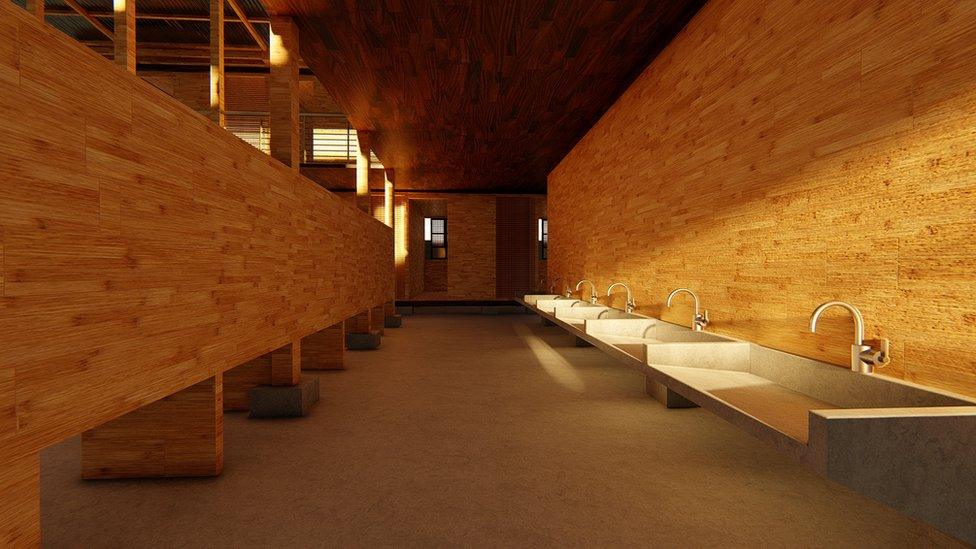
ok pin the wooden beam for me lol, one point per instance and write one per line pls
(234, 5)
(283, 92)
(186, 54)
(125, 34)
(217, 97)
(201, 17)
(37, 8)
(94, 22)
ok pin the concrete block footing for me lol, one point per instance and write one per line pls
(268, 401)
(392, 321)
(366, 341)
(665, 396)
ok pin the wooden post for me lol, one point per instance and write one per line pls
(389, 216)
(362, 170)
(20, 503)
(286, 364)
(283, 92)
(325, 349)
(239, 381)
(125, 34)
(377, 316)
(181, 435)
(358, 324)
(37, 8)
(217, 111)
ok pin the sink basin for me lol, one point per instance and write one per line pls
(533, 299)
(549, 305)
(904, 444)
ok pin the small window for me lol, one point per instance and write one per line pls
(435, 237)
(543, 239)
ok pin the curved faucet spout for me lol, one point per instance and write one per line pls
(592, 289)
(687, 291)
(631, 305)
(700, 320)
(865, 355)
(554, 286)
(858, 319)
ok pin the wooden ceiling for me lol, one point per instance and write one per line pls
(479, 95)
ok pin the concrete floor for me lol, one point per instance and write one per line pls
(477, 431)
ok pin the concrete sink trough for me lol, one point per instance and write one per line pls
(907, 445)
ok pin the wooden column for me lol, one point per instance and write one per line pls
(181, 435)
(359, 324)
(389, 215)
(377, 316)
(125, 34)
(239, 381)
(283, 92)
(37, 8)
(362, 170)
(325, 349)
(286, 364)
(217, 110)
(20, 501)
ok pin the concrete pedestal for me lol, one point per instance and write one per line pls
(365, 341)
(665, 396)
(284, 400)
(392, 321)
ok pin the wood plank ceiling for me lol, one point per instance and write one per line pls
(481, 95)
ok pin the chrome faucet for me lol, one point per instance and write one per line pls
(700, 320)
(592, 289)
(864, 355)
(630, 298)
(552, 287)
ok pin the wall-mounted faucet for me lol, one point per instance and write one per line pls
(592, 289)
(865, 355)
(553, 286)
(700, 320)
(630, 298)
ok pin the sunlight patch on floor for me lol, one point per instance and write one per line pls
(558, 368)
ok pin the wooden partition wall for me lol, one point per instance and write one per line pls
(781, 154)
(144, 249)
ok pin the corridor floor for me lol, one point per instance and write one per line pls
(476, 431)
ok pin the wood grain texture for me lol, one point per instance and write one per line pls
(479, 95)
(377, 316)
(286, 364)
(359, 323)
(144, 248)
(20, 501)
(181, 435)
(125, 34)
(283, 92)
(239, 381)
(325, 349)
(775, 156)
